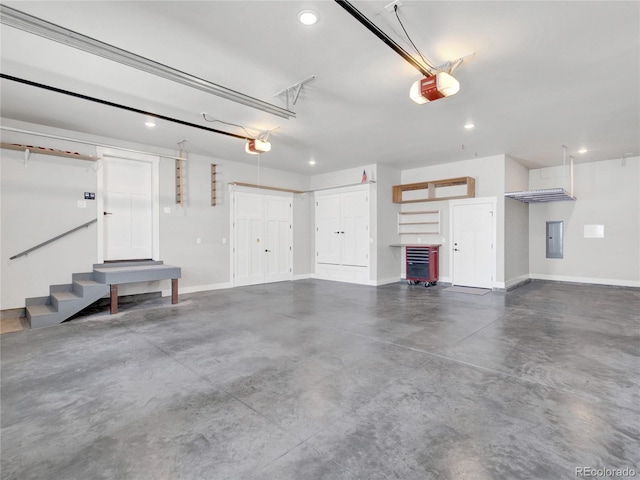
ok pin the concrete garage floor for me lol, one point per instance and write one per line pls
(312, 379)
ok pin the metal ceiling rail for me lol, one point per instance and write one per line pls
(37, 26)
(355, 13)
(118, 105)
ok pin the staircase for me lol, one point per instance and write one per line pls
(65, 300)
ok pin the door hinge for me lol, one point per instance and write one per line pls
(290, 227)
(316, 204)
(289, 270)
(289, 248)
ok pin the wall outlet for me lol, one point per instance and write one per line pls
(224, 241)
(167, 209)
(198, 241)
(82, 204)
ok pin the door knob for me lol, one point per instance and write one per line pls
(107, 213)
(267, 250)
(456, 249)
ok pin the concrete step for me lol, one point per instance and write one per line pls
(65, 299)
(86, 287)
(40, 310)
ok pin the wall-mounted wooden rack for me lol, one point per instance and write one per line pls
(47, 151)
(179, 183)
(214, 186)
(430, 190)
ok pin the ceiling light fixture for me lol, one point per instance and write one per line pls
(37, 26)
(150, 123)
(469, 126)
(583, 150)
(308, 17)
(432, 88)
(312, 162)
(255, 146)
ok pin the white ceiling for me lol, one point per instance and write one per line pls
(544, 74)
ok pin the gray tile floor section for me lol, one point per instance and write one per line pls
(321, 380)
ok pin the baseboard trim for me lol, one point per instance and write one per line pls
(588, 280)
(387, 281)
(513, 283)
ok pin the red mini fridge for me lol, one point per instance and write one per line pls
(422, 264)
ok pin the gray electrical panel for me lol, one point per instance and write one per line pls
(554, 239)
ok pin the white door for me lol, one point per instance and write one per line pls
(127, 209)
(249, 244)
(328, 236)
(354, 230)
(473, 254)
(263, 236)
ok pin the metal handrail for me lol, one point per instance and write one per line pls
(54, 239)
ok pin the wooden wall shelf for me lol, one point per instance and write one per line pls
(47, 151)
(431, 187)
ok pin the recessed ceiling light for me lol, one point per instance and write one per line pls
(308, 17)
(469, 126)
(583, 150)
(150, 123)
(312, 162)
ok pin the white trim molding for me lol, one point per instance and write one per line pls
(590, 280)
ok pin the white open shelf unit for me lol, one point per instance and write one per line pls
(419, 222)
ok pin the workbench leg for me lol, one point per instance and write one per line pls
(114, 299)
(174, 290)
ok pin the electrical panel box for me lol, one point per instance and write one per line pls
(554, 239)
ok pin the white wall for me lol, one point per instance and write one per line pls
(607, 194)
(516, 229)
(40, 201)
(341, 178)
(389, 258)
(489, 173)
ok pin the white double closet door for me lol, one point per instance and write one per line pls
(262, 227)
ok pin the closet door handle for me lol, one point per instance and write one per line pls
(107, 213)
(266, 251)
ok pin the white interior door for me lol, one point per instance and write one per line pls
(127, 209)
(328, 236)
(473, 249)
(354, 230)
(263, 236)
(248, 239)
(278, 238)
